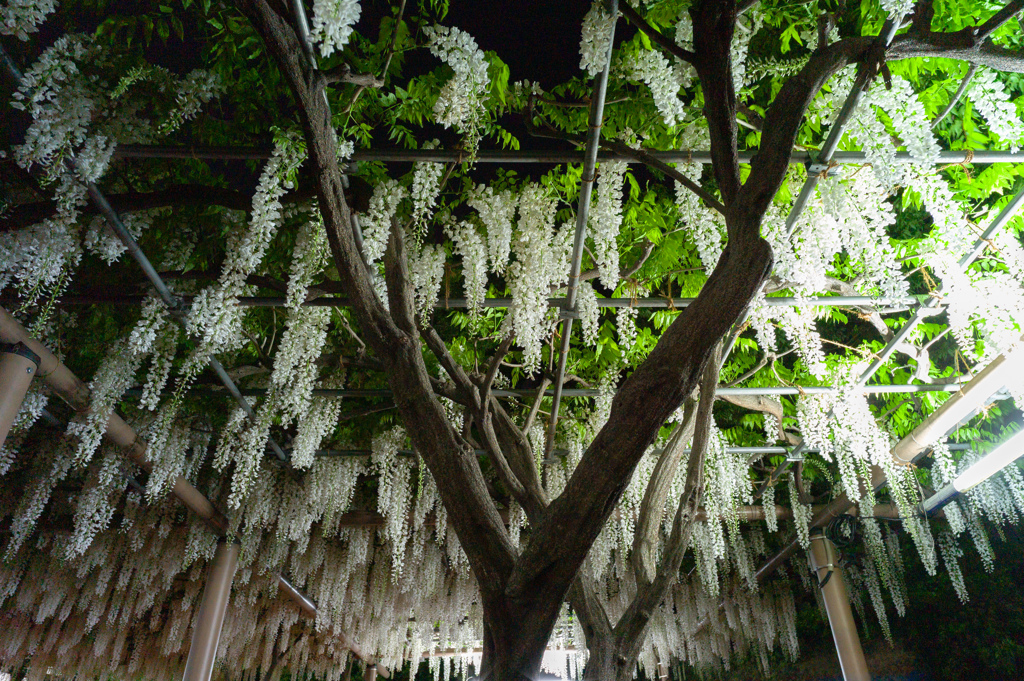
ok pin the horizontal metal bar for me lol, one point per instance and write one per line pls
(552, 157)
(766, 449)
(901, 302)
(593, 392)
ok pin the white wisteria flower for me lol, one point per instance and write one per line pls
(333, 21)
(596, 38)
(461, 103)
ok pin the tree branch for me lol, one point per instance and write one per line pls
(783, 120)
(971, 44)
(971, 70)
(766, 405)
(460, 482)
(656, 36)
(713, 24)
(647, 159)
(343, 74)
(535, 407)
(1008, 12)
(648, 248)
(400, 290)
(463, 383)
(631, 626)
(643, 556)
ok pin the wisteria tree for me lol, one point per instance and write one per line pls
(603, 507)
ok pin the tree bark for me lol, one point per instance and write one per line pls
(619, 647)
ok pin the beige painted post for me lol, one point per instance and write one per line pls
(206, 637)
(837, 604)
(18, 366)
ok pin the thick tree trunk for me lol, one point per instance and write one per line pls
(603, 663)
(513, 651)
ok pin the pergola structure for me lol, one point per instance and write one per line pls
(26, 357)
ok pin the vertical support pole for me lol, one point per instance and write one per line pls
(18, 366)
(837, 604)
(206, 637)
(371, 673)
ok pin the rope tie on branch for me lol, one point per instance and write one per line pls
(968, 159)
(828, 169)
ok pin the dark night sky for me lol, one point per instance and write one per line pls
(538, 39)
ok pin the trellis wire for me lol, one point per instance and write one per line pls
(139, 256)
(886, 304)
(539, 156)
(593, 392)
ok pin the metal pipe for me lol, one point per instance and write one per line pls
(823, 159)
(939, 499)
(462, 303)
(595, 121)
(540, 156)
(140, 257)
(829, 574)
(202, 653)
(308, 609)
(929, 307)
(169, 299)
(593, 392)
(18, 366)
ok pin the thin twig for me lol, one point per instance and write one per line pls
(956, 96)
(492, 370)
(655, 35)
(535, 409)
(387, 61)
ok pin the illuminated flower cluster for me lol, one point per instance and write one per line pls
(606, 219)
(595, 41)
(333, 21)
(654, 70)
(461, 103)
(542, 262)
(496, 210)
(21, 17)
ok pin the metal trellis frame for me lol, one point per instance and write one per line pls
(593, 392)
(540, 156)
(594, 121)
(168, 298)
(884, 304)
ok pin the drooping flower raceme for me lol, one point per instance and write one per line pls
(114, 377)
(496, 211)
(746, 26)
(990, 97)
(316, 424)
(470, 245)
(461, 103)
(541, 262)
(605, 220)
(590, 313)
(426, 184)
(426, 269)
(376, 224)
(215, 317)
(910, 121)
(658, 74)
(595, 41)
(332, 23)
